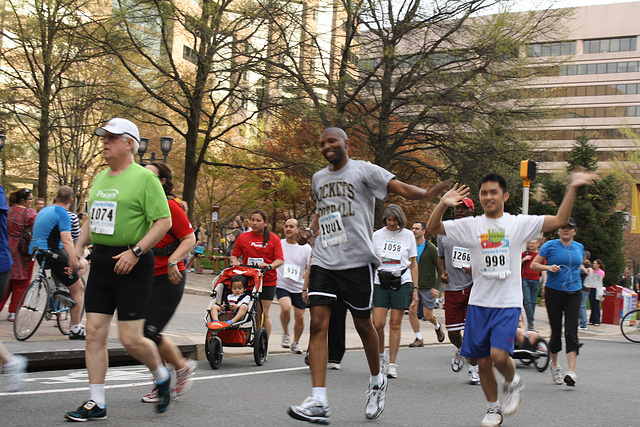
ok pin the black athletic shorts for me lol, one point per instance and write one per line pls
(58, 265)
(354, 287)
(128, 293)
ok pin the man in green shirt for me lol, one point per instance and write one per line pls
(128, 215)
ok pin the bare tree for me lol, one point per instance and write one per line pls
(186, 65)
(39, 47)
(406, 78)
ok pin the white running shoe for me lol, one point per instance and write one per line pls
(311, 410)
(184, 377)
(16, 372)
(286, 342)
(493, 418)
(384, 363)
(457, 361)
(555, 374)
(152, 396)
(392, 371)
(295, 348)
(511, 395)
(474, 376)
(570, 378)
(375, 399)
(333, 366)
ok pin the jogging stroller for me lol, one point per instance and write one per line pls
(243, 333)
(537, 354)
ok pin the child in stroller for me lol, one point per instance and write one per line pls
(237, 302)
(231, 315)
(530, 347)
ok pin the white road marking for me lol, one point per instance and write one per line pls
(122, 374)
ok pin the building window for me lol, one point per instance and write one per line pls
(189, 54)
(619, 44)
(601, 68)
(552, 49)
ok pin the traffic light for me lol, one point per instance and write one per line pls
(528, 170)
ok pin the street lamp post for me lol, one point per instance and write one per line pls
(165, 145)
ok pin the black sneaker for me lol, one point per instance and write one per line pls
(80, 335)
(440, 333)
(88, 411)
(164, 394)
(64, 297)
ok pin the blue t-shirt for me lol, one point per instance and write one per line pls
(50, 222)
(421, 249)
(5, 256)
(568, 258)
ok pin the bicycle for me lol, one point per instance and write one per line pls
(38, 302)
(630, 325)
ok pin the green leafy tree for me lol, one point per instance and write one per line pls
(599, 226)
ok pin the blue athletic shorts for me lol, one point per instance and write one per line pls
(487, 328)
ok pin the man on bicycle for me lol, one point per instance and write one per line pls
(52, 231)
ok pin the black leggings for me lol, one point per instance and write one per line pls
(561, 303)
(163, 302)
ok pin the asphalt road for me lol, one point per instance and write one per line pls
(426, 393)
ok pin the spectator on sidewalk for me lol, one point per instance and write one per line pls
(20, 218)
(531, 281)
(14, 368)
(594, 318)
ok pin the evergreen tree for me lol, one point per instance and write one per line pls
(599, 226)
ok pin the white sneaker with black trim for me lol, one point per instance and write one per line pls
(457, 361)
(311, 410)
(295, 348)
(555, 374)
(493, 418)
(392, 372)
(375, 399)
(570, 378)
(474, 376)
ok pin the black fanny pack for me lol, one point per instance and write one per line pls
(390, 279)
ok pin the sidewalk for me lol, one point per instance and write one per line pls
(49, 349)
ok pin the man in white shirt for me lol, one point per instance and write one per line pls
(495, 240)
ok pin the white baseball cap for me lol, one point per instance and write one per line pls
(119, 127)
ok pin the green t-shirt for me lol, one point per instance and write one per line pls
(428, 267)
(123, 207)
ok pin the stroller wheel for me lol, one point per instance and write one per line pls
(543, 359)
(213, 350)
(260, 347)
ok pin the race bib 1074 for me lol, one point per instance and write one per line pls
(103, 217)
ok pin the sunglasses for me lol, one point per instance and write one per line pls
(566, 227)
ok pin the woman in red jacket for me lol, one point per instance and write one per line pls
(262, 249)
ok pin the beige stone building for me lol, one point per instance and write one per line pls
(597, 91)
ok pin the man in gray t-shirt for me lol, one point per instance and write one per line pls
(343, 262)
(455, 263)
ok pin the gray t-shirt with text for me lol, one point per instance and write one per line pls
(345, 204)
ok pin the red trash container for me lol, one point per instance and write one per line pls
(612, 305)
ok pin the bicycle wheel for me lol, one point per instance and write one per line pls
(630, 326)
(63, 318)
(31, 309)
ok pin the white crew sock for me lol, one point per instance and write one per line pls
(319, 394)
(97, 394)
